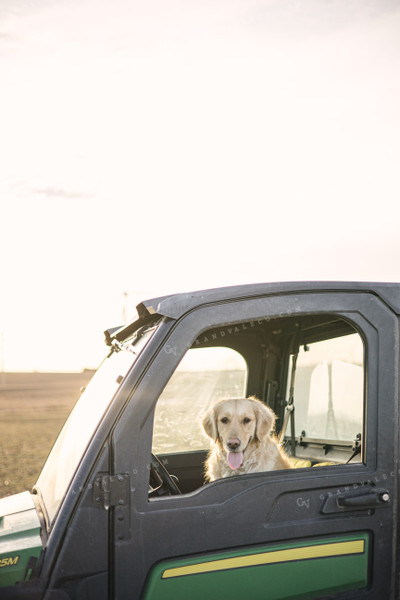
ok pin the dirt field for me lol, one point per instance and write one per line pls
(33, 408)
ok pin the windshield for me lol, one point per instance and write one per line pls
(82, 423)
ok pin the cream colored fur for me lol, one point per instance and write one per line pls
(242, 425)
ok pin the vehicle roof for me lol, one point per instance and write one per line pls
(176, 305)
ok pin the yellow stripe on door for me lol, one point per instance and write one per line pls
(267, 558)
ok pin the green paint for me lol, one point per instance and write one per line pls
(297, 577)
(19, 538)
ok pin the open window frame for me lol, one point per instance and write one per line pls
(267, 345)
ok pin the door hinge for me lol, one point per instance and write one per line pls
(111, 490)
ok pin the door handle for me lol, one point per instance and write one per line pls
(367, 498)
(373, 498)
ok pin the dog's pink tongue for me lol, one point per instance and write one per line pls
(235, 459)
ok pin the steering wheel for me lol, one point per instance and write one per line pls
(161, 482)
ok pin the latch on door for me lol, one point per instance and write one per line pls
(375, 497)
(366, 498)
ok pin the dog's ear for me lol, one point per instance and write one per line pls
(210, 424)
(265, 419)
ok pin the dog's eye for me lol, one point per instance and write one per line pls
(224, 420)
(246, 420)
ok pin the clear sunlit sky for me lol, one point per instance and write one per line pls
(153, 146)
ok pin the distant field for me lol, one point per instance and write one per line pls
(33, 409)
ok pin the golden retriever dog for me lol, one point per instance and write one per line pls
(241, 431)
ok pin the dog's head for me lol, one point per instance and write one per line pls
(234, 424)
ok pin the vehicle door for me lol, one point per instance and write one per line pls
(325, 530)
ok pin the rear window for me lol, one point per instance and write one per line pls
(329, 390)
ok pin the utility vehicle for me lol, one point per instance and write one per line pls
(121, 509)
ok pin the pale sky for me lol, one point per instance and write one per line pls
(152, 147)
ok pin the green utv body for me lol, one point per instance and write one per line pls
(20, 541)
(122, 509)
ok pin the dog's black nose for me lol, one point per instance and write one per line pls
(233, 444)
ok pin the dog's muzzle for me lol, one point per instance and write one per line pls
(234, 456)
